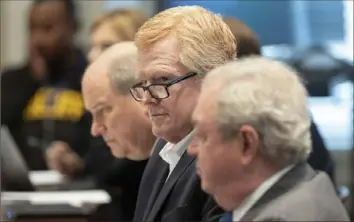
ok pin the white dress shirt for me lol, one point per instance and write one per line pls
(247, 204)
(172, 153)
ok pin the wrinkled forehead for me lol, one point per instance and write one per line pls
(95, 89)
(161, 58)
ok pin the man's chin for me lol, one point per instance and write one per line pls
(205, 186)
(158, 131)
(137, 157)
(119, 155)
(117, 152)
(161, 131)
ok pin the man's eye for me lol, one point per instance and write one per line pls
(162, 79)
(106, 45)
(107, 109)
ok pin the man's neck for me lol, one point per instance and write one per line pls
(174, 139)
(253, 178)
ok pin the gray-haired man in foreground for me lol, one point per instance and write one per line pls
(252, 140)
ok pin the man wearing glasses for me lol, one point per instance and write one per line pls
(176, 48)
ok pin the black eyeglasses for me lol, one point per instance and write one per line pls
(157, 90)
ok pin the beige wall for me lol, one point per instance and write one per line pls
(13, 34)
(14, 27)
(14, 24)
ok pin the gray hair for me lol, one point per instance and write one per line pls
(270, 97)
(122, 71)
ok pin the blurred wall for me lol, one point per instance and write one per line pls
(1, 31)
(13, 31)
(14, 24)
(87, 11)
(149, 7)
(14, 27)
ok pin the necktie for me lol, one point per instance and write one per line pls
(226, 217)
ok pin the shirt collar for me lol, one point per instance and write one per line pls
(247, 204)
(172, 153)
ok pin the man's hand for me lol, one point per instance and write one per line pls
(60, 157)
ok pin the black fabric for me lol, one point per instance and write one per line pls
(179, 199)
(19, 91)
(320, 158)
(119, 177)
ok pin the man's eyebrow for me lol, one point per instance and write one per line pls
(97, 106)
(155, 74)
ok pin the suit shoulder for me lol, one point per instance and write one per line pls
(312, 200)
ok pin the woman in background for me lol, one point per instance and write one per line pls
(113, 27)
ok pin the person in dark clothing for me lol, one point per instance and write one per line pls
(248, 45)
(107, 29)
(41, 102)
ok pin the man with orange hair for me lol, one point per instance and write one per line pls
(176, 48)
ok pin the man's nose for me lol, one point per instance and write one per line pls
(96, 129)
(147, 98)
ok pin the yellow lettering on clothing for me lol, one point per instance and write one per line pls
(64, 105)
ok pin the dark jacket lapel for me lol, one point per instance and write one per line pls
(180, 168)
(156, 166)
(300, 173)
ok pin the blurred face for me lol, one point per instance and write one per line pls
(102, 38)
(171, 117)
(50, 30)
(219, 162)
(117, 118)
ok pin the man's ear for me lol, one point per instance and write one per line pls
(250, 143)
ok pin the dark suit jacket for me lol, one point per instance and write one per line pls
(119, 177)
(300, 195)
(320, 158)
(179, 199)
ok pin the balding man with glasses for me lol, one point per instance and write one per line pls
(176, 48)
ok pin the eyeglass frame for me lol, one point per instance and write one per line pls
(165, 85)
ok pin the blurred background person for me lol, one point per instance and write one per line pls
(41, 101)
(109, 28)
(113, 27)
(248, 45)
(106, 86)
(119, 176)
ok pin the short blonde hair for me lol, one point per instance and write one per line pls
(205, 41)
(269, 96)
(125, 22)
